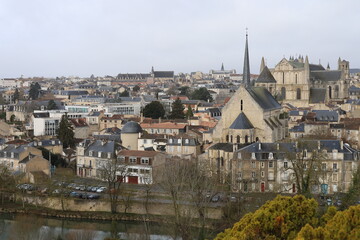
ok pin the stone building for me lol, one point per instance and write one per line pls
(267, 167)
(252, 114)
(300, 83)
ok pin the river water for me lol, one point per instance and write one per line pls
(25, 227)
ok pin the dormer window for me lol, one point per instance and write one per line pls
(109, 155)
(179, 141)
(144, 160)
(271, 156)
(12, 155)
(90, 153)
(170, 140)
(99, 154)
(187, 141)
(253, 156)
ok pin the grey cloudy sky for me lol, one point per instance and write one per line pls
(106, 37)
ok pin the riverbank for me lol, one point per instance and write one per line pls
(17, 208)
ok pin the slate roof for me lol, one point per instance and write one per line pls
(163, 74)
(103, 147)
(266, 76)
(241, 122)
(264, 98)
(310, 145)
(317, 95)
(227, 147)
(326, 115)
(133, 75)
(326, 75)
(41, 115)
(354, 89)
(131, 127)
(298, 128)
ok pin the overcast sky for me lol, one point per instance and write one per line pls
(105, 37)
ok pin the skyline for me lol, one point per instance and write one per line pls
(80, 38)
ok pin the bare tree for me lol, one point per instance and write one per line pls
(306, 164)
(7, 182)
(188, 187)
(113, 171)
(81, 234)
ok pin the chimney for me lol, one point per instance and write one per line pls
(259, 146)
(341, 144)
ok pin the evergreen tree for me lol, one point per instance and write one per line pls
(66, 133)
(136, 88)
(52, 105)
(124, 94)
(201, 94)
(16, 95)
(177, 110)
(34, 90)
(189, 112)
(154, 110)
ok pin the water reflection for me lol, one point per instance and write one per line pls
(28, 227)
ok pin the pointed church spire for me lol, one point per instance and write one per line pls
(222, 67)
(152, 69)
(246, 71)
(328, 67)
(262, 64)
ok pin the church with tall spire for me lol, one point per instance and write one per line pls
(252, 114)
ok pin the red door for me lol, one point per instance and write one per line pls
(133, 179)
(262, 187)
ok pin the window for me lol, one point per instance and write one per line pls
(298, 94)
(90, 153)
(262, 173)
(132, 159)
(99, 154)
(109, 155)
(323, 166)
(253, 174)
(144, 161)
(335, 177)
(305, 153)
(335, 166)
(262, 164)
(121, 159)
(253, 164)
(90, 163)
(241, 105)
(285, 164)
(271, 164)
(12, 155)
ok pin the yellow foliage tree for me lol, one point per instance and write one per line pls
(343, 225)
(281, 218)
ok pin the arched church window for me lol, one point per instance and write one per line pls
(296, 79)
(227, 138)
(298, 93)
(330, 95)
(231, 138)
(256, 139)
(336, 93)
(246, 138)
(241, 105)
(283, 77)
(283, 92)
(237, 139)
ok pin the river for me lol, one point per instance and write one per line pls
(27, 227)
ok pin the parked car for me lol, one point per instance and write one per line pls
(94, 189)
(101, 190)
(88, 189)
(215, 198)
(75, 194)
(94, 196)
(82, 188)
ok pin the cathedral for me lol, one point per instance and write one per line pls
(301, 84)
(252, 114)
